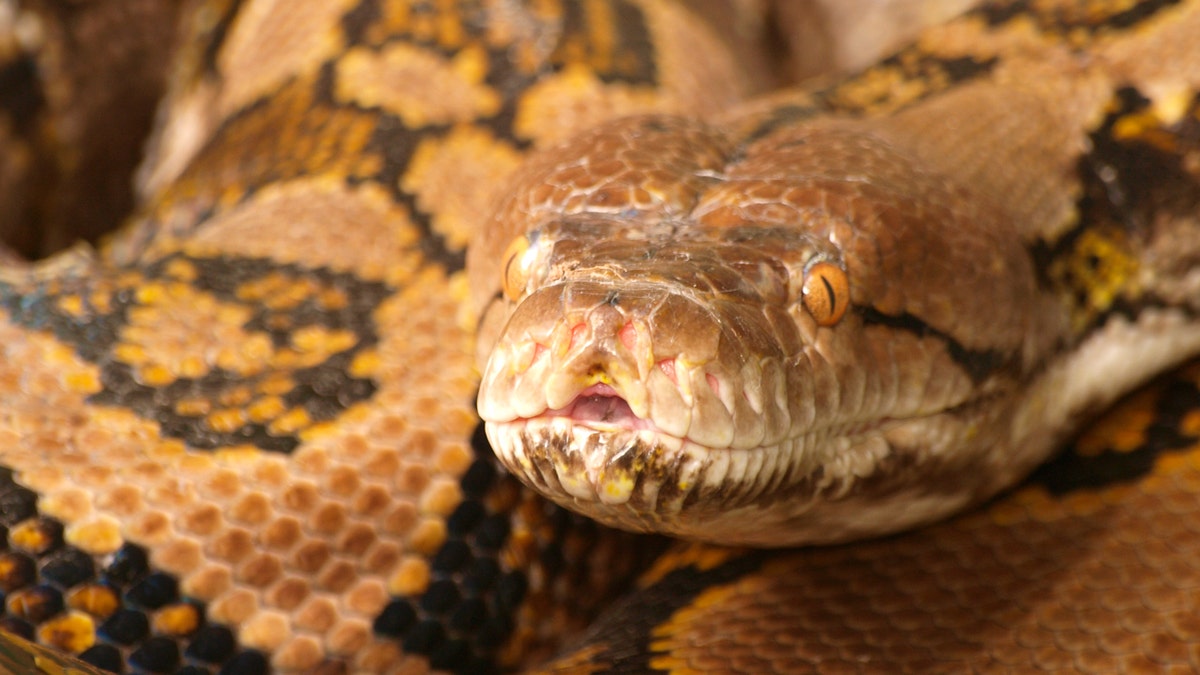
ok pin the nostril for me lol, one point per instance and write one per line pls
(713, 383)
(667, 366)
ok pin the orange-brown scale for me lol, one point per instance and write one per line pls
(1057, 580)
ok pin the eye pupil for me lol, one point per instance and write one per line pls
(825, 284)
(830, 293)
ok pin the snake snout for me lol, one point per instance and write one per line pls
(630, 403)
(695, 368)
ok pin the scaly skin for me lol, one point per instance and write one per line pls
(235, 269)
(674, 350)
(242, 433)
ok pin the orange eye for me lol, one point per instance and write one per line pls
(826, 293)
(516, 268)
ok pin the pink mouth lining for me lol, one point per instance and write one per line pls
(600, 403)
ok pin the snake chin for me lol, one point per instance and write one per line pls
(595, 458)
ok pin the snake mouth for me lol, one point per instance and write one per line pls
(596, 457)
(601, 407)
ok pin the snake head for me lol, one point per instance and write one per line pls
(770, 355)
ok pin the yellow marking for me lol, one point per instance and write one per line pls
(167, 450)
(322, 429)
(290, 422)
(193, 407)
(332, 298)
(323, 340)
(265, 409)
(66, 505)
(466, 155)
(1122, 430)
(149, 293)
(83, 382)
(365, 364)
(99, 601)
(428, 536)
(29, 536)
(1145, 126)
(226, 421)
(277, 384)
(441, 497)
(703, 557)
(236, 396)
(99, 536)
(237, 455)
(1101, 266)
(73, 632)
(1172, 107)
(602, 27)
(72, 305)
(290, 294)
(181, 270)
(617, 490)
(1178, 463)
(1190, 424)
(449, 24)
(180, 620)
(257, 289)
(682, 621)
(411, 577)
(132, 354)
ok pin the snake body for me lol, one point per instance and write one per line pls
(240, 436)
(678, 360)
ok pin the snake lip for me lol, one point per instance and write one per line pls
(600, 407)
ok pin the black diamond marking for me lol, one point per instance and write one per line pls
(997, 14)
(126, 626)
(911, 61)
(154, 591)
(632, 43)
(249, 662)
(396, 143)
(1070, 471)
(1128, 184)
(324, 390)
(18, 627)
(215, 39)
(36, 585)
(129, 564)
(35, 604)
(17, 502)
(23, 98)
(157, 655)
(357, 20)
(626, 630)
(471, 606)
(104, 656)
(211, 644)
(68, 567)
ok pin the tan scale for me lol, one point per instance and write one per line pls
(299, 551)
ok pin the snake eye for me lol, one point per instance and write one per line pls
(826, 293)
(516, 267)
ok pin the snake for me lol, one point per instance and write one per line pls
(412, 294)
